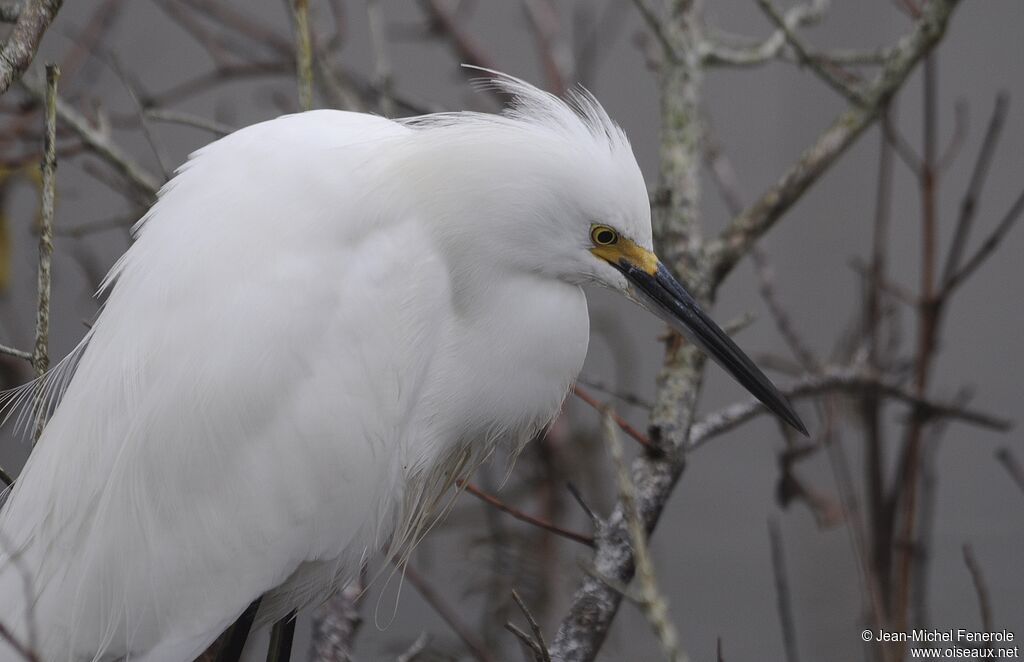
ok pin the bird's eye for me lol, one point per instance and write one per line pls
(602, 235)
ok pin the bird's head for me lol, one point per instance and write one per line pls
(565, 199)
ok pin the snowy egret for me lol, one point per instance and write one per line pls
(325, 321)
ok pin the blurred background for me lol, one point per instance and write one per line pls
(227, 61)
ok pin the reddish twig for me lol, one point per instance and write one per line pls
(523, 517)
(987, 247)
(906, 490)
(969, 203)
(638, 436)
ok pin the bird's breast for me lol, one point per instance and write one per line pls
(510, 361)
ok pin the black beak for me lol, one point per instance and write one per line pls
(668, 299)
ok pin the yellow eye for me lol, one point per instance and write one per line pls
(602, 235)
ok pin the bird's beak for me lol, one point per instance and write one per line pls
(664, 296)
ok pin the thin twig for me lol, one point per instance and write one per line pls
(870, 405)
(838, 379)
(656, 25)
(582, 503)
(381, 62)
(714, 52)
(41, 346)
(244, 24)
(987, 247)
(783, 322)
(822, 68)
(653, 603)
(143, 119)
(900, 145)
(638, 436)
(218, 48)
(527, 640)
(303, 53)
(628, 398)
(447, 614)
(538, 634)
(956, 141)
(99, 142)
(188, 119)
(544, 23)
(619, 587)
(523, 517)
(1013, 467)
(17, 353)
(782, 593)
(969, 203)
(747, 227)
(980, 587)
(897, 291)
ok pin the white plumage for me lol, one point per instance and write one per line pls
(324, 321)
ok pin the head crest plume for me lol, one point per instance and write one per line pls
(579, 115)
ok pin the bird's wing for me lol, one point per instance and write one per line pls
(239, 406)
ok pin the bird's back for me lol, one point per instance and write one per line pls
(247, 373)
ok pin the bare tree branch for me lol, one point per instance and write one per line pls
(41, 347)
(969, 203)
(381, 62)
(760, 216)
(987, 247)
(537, 641)
(635, 434)
(832, 379)
(782, 593)
(15, 352)
(980, 588)
(21, 45)
(677, 234)
(303, 53)
(523, 517)
(99, 142)
(1013, 466)
(714, 50)
(651, 600)
(823, 68)
(656, 25)
(187, 119)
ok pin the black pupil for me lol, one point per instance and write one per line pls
(605, 236)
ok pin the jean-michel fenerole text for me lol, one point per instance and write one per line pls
(955, 635)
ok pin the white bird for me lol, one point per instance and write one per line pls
(325, 320)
